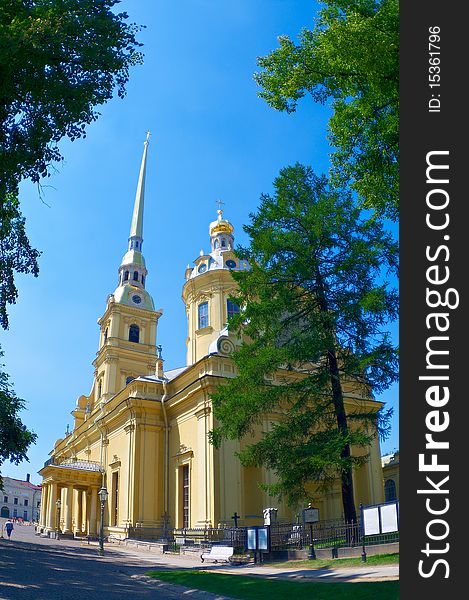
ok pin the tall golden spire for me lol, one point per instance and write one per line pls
(136, 228)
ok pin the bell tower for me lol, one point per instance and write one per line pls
(127, 344)
(207, 290)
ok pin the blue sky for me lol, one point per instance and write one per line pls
(212, 137)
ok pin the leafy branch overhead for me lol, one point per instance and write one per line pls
(315, 351)
(59, 60)
(15, 438)
(350, 58)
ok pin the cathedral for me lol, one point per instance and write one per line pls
(142, 432)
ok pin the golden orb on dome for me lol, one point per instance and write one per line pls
(221, 225)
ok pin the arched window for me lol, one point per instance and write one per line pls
(100, 389)
(389, 490)
(134, 333)
(223, 244)
(128, 380)
(231, 308)
(203, 315)
(135, 275)
(217, 244)
(105, 336)
(143, 279)
(126, 276)
(136, 245)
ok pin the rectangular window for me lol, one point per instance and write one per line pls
(115, 499)
(185, 496)
(15, 512)
(15, 500)
(5, 499)
(231, 309)
(25, 515)
(25, 502)
(203, 315)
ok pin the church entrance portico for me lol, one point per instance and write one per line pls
(75, 484)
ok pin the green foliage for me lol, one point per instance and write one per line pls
(15, 438)
(315, 310)
(16, 254)
(350, 57)
(59, 60)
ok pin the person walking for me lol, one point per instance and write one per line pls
(9, 528)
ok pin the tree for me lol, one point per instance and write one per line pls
(315, 307)
(15, 438)
(59, 60)
(350, 57)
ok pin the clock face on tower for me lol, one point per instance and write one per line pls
(231, 264)
(136, 299)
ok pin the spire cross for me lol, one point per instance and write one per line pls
(219, 203)
(148, 136)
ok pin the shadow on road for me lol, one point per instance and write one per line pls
(29, 571)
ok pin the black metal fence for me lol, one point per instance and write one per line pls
(284, 536)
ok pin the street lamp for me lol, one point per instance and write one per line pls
(103, 494)
(58, 504)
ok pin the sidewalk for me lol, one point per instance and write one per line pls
(26, 537)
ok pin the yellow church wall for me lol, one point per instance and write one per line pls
(144, 447)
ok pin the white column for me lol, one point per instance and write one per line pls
(51, 509)
(78, 504)
(93, 511)
(68, 509)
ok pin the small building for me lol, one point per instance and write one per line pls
(20, 499)
(390, 463)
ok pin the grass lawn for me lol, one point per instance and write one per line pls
(337, 563)
(256, 588)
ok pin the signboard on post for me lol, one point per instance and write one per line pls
(382, 518)
(310, 515)
(258, 539)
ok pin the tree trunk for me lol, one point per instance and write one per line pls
(346, 476)
(348, 502)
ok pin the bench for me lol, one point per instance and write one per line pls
(218, 553)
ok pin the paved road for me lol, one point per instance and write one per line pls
(35, 568)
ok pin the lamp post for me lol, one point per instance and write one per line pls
(310, 516)
(103, 494)
(58, 504)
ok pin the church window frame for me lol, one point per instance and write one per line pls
(134, 333)
(232, 309)
(135, 276)
(114, 498)
(126, 275)
(203, 315)
(390, 490)
(185, 495)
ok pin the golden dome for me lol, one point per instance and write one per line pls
(220, 225)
